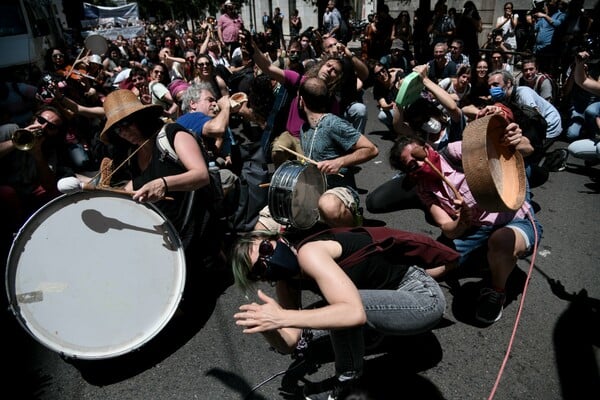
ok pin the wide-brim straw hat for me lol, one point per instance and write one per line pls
(494, 171)
(122, 103)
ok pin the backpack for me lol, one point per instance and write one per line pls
(537, 86)
(532, 123)
(409, 248)
(213, 195)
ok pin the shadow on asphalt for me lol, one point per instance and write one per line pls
(576, 341)
(390, 367)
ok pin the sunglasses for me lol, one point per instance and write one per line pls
(123, 124)
(41, 120)
(265, 251)
(57, 55)
(203, 64)
(158, 72)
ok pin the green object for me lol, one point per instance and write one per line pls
(410, 89)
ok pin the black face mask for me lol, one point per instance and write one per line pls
(274, 264)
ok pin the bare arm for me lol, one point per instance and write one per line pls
(344, 306)
(440, 94)
(216, 127)
(581, 77)
(363, 151)
(195, 176)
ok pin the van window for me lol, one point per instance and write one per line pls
(12, 21)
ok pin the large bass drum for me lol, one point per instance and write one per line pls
(95, 275)
(294, 194)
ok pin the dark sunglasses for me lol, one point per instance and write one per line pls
(57, 55)
(412, 166)
(202, 65)
(265, 251)
(123, 124)
(41, 120)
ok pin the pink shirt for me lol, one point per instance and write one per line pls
(230, 27)
(443, 196)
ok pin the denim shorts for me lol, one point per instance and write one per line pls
(479, 237)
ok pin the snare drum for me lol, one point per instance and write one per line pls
(294, 194)
(95, 275)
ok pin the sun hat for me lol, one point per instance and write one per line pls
(119, 105)
(397, 44)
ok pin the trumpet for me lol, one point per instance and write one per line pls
(25, 140)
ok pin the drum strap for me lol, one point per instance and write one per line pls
(162, 141)
(410, 248)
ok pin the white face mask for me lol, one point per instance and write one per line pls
(432, 126)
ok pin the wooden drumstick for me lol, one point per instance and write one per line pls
(90, 186)
(264, 185)
(302, 156)
(420, 154)
(72, 185)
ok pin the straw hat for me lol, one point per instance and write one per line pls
(495, 172)
(119, 105)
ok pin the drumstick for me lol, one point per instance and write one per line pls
(72, 185)
(264, 185)
(302, 156)
(420, 154)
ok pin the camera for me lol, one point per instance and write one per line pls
(591, 45)
(538, 6)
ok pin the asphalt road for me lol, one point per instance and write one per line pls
(203, 355)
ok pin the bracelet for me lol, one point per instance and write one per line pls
(165, 182)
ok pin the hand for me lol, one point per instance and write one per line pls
(256, 317)
(151, 192)
(421, 70)
(330, 167)
(512, 135)
(487, 110)
(463, 212)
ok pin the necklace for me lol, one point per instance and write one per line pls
(312, 140)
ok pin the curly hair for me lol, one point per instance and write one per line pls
(334, 85)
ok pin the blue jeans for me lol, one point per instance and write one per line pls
(416, 306)
(356, 114)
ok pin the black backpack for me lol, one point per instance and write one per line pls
(532, 123)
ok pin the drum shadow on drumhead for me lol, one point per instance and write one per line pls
(99, 223)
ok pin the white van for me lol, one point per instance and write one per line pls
(27, 30)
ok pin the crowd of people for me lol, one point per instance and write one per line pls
(196, 116)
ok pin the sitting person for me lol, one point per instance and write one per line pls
(464, 224)
(336, 147)
(30, 168)
(390, 295)
(541, 83)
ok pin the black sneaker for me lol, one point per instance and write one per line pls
(333, 388)
(489, 306)
(556, 160)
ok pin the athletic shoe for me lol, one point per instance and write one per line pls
(333, 388)
(556, 160)
(489, 306)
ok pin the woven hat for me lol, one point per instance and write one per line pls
(119, 105)
(495, 172)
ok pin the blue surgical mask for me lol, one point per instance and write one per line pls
(497, 93)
